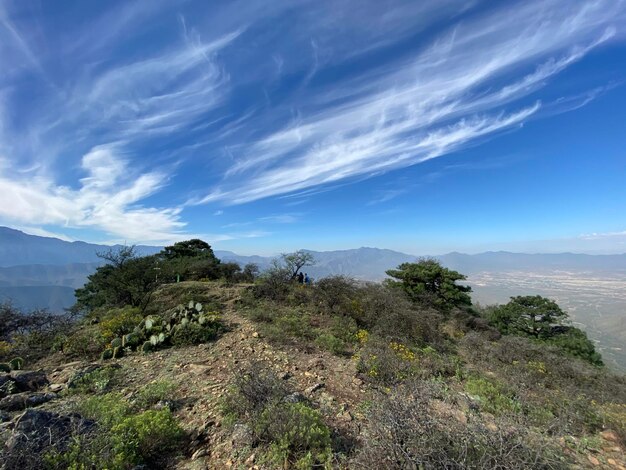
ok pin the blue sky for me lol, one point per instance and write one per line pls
(263, 127)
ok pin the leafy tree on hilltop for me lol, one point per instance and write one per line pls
(533, 316)
(194, 248)
(127, 279)
(541, 318)
(294, 262)
(427, 282)
(190, 260)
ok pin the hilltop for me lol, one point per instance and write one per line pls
(262, 372)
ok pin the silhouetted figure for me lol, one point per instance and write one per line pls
(307, 279)
(300, 278)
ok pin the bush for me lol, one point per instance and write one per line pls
(145, 437)
(254, 388)
(193, 333)
(390, 362)
(296, 435)
(153, 393)
(404, 431)
(335, 294)
(274, 284)
(118, 322)
(85, 341)
(331, 343)
(122, 440)
(97, 382)
(388, 313)
(494, 396)
(31, 335)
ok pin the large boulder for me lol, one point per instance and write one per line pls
(20, 401)
(29, 381)
(37, 432)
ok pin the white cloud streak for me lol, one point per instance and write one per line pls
(107, 199)
(439, 102)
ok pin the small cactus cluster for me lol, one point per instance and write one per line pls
(14, 364)
(154, 332)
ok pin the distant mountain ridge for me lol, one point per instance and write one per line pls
(18, 248)
(55, 265)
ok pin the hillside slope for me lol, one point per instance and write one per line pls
(352, 402)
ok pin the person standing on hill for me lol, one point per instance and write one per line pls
(300, 278)
(307, 279)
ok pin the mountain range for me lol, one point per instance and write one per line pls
(42, 272)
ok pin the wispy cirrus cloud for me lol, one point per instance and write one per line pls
(108, 199)
(451, 94)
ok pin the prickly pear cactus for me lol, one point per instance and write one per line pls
(116, 343)
(118, 352)
(147, 347)
(106, 354)
(16, 363)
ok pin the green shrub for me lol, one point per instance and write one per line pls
(494, 397)
(145, 437)
(296, 435)
(118, 322)
(334, 295)
(193, 333)
(286, 325)
(98, 381)
(84, 342)
(122, 439)
(154, 392)
(107, 410)
(331, 343)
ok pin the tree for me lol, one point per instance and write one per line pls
(542, 319)
(189, 260)
(529, 315)
(194, 248)
(250, 272)
(427, 282)
(126, 280)
(294, 262)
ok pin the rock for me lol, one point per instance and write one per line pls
(56, 388)
(29, 381)
(242, 436)
(612, 462)
(250, 460)
(20, 401)
(314, 388)
(255, 334)
(317, 364)
(199, 453)
(345, 416)
(36, 432)
(198, 368)
(165, 404)
(610, 436)
(594, 461)
(294, 398)
(357, 381)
